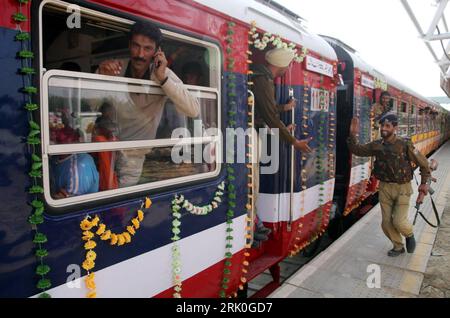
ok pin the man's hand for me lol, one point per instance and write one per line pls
(289, 106)
(110, 67)
(423, 191)
(160, 65)
(61, 194)
(354, 126)
(291, 127)
(302, 145)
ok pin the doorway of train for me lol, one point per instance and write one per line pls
(295, 201)
(355, 191)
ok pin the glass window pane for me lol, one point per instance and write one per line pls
(90, 110)
(85, 173)
(98, 38)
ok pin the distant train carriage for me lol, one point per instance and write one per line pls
(362, 85)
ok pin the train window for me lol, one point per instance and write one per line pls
(426, 119)
(393, 104)
(403, 107)
(412, 120)
(420, 118)
(101, 37)
(403, 119)
(105, 135)
(83, 102)
(74, 175)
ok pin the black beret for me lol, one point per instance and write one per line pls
(390, 117)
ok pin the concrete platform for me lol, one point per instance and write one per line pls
(345, 268)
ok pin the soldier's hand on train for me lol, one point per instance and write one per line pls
(291, 127)
(110, 67)
(290, 105)
(354, 126)
(302, 145)
(160, 65)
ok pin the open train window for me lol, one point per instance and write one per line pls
(100, 37)
(98, 129)
(412, 120)
(402, 111)
(393, 104)
(403, 107)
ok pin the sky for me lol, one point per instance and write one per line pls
(383, 34)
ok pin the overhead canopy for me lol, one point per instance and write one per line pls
(434, 35)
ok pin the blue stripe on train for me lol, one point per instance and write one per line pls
(280, 182)
(17, 260)
(16, 264)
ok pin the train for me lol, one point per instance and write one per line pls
(185, 229)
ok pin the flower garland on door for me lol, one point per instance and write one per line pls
(178, 203)
(261, 40)
(88, 225)
(231, 123)
(33, 141)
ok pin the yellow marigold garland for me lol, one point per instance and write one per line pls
(88, 225)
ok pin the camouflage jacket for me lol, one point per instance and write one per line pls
(266, 108)
(393, 159)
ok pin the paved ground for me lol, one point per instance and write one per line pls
(346, 266)
(436, 283)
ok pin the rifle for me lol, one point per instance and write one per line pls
(433, 167)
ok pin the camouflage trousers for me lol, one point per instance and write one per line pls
(394, 202)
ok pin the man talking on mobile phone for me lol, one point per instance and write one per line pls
(139, 118)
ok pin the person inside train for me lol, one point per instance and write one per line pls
(140, 119)
(71, 174)
(379, 109)
(267, 113)
(191, 74)
(105, 129)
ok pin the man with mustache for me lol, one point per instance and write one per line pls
(393, 168)
(139, 118)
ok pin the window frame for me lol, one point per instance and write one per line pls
(51, 150)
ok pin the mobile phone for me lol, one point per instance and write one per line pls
(158, 64)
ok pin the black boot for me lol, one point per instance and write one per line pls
(394, 252)
(410, 244)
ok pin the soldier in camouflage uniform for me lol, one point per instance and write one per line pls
(393, 168)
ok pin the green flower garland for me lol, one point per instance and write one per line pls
(232, 111)
(33, 140)
(178, 203)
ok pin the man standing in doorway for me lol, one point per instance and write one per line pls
(393, 158)
(267, 111)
